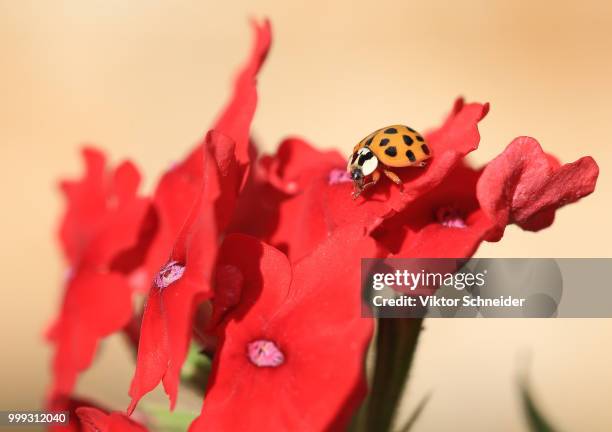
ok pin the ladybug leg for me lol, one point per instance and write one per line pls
(375, 178)
(393, 177)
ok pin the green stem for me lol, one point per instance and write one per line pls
(396, 343)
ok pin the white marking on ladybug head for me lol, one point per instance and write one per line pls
(369, 162)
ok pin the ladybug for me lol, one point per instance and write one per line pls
(394, 146)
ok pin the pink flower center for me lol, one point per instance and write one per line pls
(169, 274)
(451, 217)
(337, 176)
(265, 353)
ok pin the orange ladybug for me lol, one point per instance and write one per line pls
(394, 146)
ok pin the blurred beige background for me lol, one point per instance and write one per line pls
(144, 79)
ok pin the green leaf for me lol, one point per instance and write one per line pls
(536, 421)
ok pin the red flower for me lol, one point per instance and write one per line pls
(186, 243)
(103, 219)
(296, 333)
(95, 420)
(320, 200)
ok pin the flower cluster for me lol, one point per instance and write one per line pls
(256, 261)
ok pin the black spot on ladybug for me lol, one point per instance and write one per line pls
(391, 151)
(365, 157)
(384, 142)
(411, 130)
(410, 155)
(391, 131)
(407, 140)
(369, 141)
(419, 138)
(425, 149)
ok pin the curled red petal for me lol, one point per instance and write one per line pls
(524, 185)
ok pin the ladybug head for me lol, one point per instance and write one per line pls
(361, 164)
(357, 175)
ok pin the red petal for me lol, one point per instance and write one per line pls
(153, 349)
(296, 163)
(70, 405)
(86, 202)
(95, 420)
(237, 264)
(252, 259)
(229, 177)
(236, 117)
(437, 241)
(258, 204)
(92, 419)
(525, 186)
(126, 179)
(95, 305)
